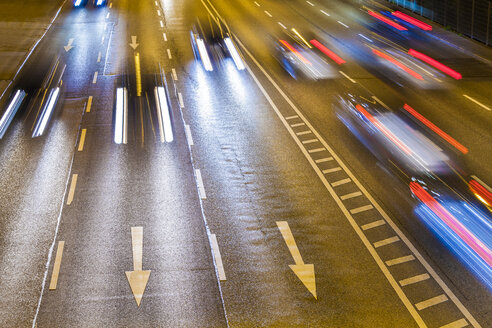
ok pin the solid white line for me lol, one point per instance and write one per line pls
(71, 192)
(164, 36)
(342, 24)
(218, 258)
(158, 12)
(282, 25)
(324, 12)
(352, 195)
(188, 135)
(309, 141)
(400, 260)
(414, 279)
(99, 57)
(292, 117)
(456, 324)
(312, 4)
(169, 54)
(175, 76)
(256, 3)
(199, 181)
(269, 15)
(335, 169)
(431, 302)
(322, 160)
(386, 241)
(316, 150)
(297, 124)
(303, 133)
(56, 265)
(180, 99)
(162, 24)
(477, 102)
(82, 140)
(348, 77)
(361, 209)
(371, 225)
(94, 80)
(340, 182)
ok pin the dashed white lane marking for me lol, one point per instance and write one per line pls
(365, 37)
(348, 77)
(188, 135)
(342, 24)
(164, 36)
(282, 25)
(297, 124)
(180, 99)
(476, 102)
(201, 187)
(292, 117)
(107, 16)
(94, 80)
(400, 260)
(456, 324)
(99, 57)
(414, 279)
(89, 104)
(218, 258)
(335, 169)
(361, 209)
(158, 12)
(352, 195)
(162, 24)
(257, 4)
(322, 160)
(324, 12)
(310, 3)
(386, 241)
(169, 54)
(316, 150)
(305, 142)
(268, 14)
(175, 76)
(340, 182)
(102, 40)
(371, 225)
(431, 302)
(82, 140)
(304, 132)
(56, 266)
(71, 192)
(110, 5)
(156, 3)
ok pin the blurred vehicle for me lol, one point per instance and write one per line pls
(79, 3)
(99, 3)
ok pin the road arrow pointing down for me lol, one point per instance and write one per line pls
(305, 272)
(134, 43)
(69, 45)
(137, 278)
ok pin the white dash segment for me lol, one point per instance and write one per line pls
(316, 150)
(348, 77)
(102, 40)
(335, 169)
(188, 135)
(180, 99)
(175, 76)
(477, 102)
(351, 195)
(161, 23)
(325, 13)
(71, 191)
(268, 14)
(82, 140)
(217, 257)
(374, 224)
(107, 16)
(310, 3)
(156, 3)
(291, 117)
(257, 4)
(201, 187)
(169, 54)
(386, 241)
(400, 260)
(431, 302)
(158, 12)
(322, 160)
(164, 36)
(297, 124)
(456, 324)
(282, 25)
(344, 25)
(361, 209)
(414, 279)
(99, 57)
(340, 182)
(56, 266)
(304, 132)
(309, 141)
(94, 79)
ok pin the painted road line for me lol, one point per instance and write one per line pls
(482, 183)
(312, 4)
(303, 133)
(322, 160)
(158, 12)
(138, 75)
(414, 279)
(386, 241)
(180, 99)
(99, 57)
(351, 195)
(268, 14)
(71, 192)
(297, 124)
(94, 79)
(89, 104)
(361, 209)
(400, 260)
(431, 302)
(371, 225)
(477, 102)
(162, 24)
(156, 3)
(380, 102)
(342, 24)
(335, 169)
(110, 5)
(164, 36)
(305, 142)
(324, 12)
(175, 76)
(137, 278)
(257, 4)
(169, 54)
(348, 77)
(217, 257)
(292, 117)
(199, 181)
(188, 135)
(340, 182)
(316, 150)
(456, 324)
(102, 40)
(56, 266)
(282, 25)
(107, 16)
(82, 140)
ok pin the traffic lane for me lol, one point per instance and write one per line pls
(35, 173)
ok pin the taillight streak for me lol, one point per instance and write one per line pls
(327, 52)
(386, 20)
(397, 63)
(435, 63)
(294, 50)
(411, 20)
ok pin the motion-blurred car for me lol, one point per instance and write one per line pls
(99, 3)
(79, 3)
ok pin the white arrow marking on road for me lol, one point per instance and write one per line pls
(305, 272)
(134, 43)
(137, 278)
(69, 45)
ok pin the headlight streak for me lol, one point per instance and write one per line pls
(204, 55)
(10, 112)
(165, 126)
(235, 55)
(121, 115)
(46, 113)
